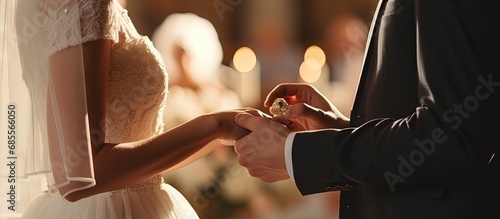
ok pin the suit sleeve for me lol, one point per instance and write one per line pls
(449, 138)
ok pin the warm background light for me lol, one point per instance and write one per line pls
(244, 59)
(315, 57)
(310, 74)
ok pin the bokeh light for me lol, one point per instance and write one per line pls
(310, 74)
(315, 57)
(244, 59)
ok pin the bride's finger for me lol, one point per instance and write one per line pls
(256, 112)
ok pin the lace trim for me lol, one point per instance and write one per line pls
(151, 184)
(147, 186)
(96, 19)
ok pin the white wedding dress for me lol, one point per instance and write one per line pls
(137, 89)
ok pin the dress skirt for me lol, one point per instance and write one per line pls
(151, 199)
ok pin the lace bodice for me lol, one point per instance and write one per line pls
(136, 91)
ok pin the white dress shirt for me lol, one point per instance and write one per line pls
(288, 154)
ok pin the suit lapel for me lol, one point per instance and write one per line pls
(374, 27)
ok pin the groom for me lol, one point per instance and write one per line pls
(424, 127)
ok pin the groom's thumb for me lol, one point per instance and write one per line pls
(241, 118)
(247, 121)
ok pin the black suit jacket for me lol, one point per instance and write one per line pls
(425, 122)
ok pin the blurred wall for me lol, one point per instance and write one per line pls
(230, 17)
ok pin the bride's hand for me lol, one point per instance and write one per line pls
(230, 130)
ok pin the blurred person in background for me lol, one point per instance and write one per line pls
(192, 53)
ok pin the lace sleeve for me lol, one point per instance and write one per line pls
(97, 19)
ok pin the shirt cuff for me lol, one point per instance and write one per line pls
(288, 154)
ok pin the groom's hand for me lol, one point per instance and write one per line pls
(309, 109)
(262, 151)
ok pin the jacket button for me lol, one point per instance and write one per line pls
(335, 188)
(347, 186)
(329, 188)
(339, 188)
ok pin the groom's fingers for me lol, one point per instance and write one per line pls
(249, 146)
(302, 110)
(282, 90)
(246, 149)
(292, 92)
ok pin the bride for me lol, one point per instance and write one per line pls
(94, 90)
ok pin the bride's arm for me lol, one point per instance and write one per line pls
(123, 164)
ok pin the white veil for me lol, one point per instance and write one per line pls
(43, 115)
